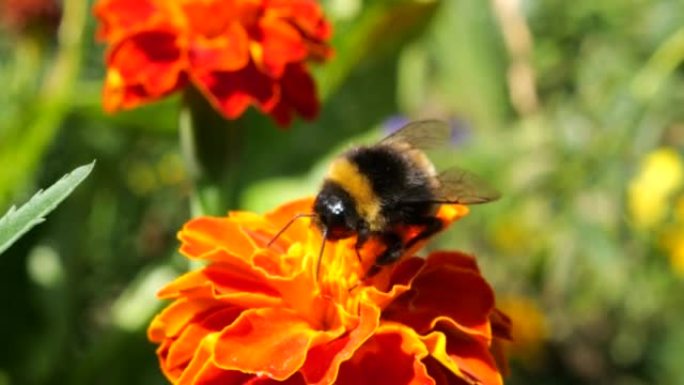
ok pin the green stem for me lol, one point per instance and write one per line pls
(49, 108)
(211, 149)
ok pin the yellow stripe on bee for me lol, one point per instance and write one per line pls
(347, 175)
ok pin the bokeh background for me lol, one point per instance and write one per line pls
(573, 109)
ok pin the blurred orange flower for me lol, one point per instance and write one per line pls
(236, 52)
(256, 314)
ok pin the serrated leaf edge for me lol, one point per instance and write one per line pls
(14, 213)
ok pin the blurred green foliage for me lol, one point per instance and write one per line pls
(560, 104)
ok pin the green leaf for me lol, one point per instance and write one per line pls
(16, 222)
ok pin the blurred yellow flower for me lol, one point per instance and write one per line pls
(679, 209)
(530, 332)
(659, 176)
(673, 241)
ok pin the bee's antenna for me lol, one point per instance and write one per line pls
(320, 252)
(287, 225)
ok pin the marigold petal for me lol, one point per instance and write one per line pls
(118, 95)
(226, 52)
(323, 361)
(203, 235)
(453, 258)
(202, 370)
(465, 356)
(175, 317)
(392, 356)
(451, 213)
(162, 351)
(436, 344)
(475, 360)
(298, 95)
(213, 375)
(397, 280)
(184, 347)
(445, 293)
(442, 375)
(232, 92)
(295, 379)
(151, 59)
(281, 44)
(501, 325)
(232, 278)
(209, 17)
(272, 341)
(200, 360)
(184, 284)
(283, 214)
(142, 68)
(306, 14)
(120, 17)
(235, 284)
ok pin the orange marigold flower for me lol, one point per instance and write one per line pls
(256, 314)
(236, 52)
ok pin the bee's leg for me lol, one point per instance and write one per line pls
(363, 234)
(395, 248)
(393, 251)
(431, 225)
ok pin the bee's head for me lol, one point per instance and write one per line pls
(336, 212)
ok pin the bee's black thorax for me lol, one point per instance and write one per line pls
(336, 211)
(402, 186)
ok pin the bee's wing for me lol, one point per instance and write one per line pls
(460, 186)
(422, 134)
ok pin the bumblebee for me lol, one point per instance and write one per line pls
(374, 191)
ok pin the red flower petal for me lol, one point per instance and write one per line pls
(323, 361)
(204, 235)
(150, 61)
(121, 17)
(464, 355)
(118, 95)
(306, 14)
(271, 341)
(282, 215)
(184, 347)
(209, 18)
(441, 375)
(174, 318)
(392, 357)
(474, 359)
(446, 293)
(296, 379)
(280, 44)
(453, 258)
(202, 369)
(228, 51)
(232, 92)
(235, 284)
(298, 95)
